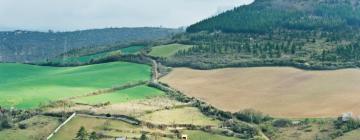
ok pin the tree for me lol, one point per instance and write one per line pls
(143, 137)
(81, 134)
(93, 136)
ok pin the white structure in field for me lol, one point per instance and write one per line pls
(346, 116)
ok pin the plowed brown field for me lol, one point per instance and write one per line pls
(278, 91)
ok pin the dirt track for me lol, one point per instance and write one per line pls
(282, 92)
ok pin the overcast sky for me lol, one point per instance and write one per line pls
(85, 14)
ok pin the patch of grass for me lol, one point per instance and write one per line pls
(353, 135)
(131, 49)
(135, 93)
(27, 86)
(186, 115)
(84, 59)
(168, 50)
(39, 127)
(200, 135)
(112, 128)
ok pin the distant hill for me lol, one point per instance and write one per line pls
(264, 16)
(314, 34)
(30, 46)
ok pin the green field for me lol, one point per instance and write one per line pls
(135, 93)
(131, 49)
(186, 115)
(109, 128)
(27, 86)
(88, 58)
(199, 135)
(168, 50)
(84, 59)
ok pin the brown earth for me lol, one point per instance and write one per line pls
(278, 91)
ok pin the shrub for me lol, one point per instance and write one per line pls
(252, 116)
(282, 123)
(23, 125)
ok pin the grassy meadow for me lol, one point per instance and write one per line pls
(88, 58)
(200, 135)
(109, 128)
(121, 96)
(28, 86)
(39, 127)
(131, 49)
(186, 115)
(168, 50)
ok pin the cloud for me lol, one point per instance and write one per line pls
(84, 14)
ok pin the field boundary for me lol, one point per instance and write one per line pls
(61, 125)
(109, 90)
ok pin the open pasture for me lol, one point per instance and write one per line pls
(122, 96)
(278, 91)
(186, 115)
(168, 50)
(38, 128)
(28, 86)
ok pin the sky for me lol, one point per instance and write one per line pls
(66, 15)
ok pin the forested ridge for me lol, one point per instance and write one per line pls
(31, 46)
(311, 34)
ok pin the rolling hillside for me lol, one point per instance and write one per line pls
(310, 34)
(27, 86)
(30, 46)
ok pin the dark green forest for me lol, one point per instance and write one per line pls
(310, 34)
(32, 46)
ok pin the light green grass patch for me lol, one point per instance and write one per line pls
(200, 135)
(27, 86)
(121, 96)
(168, 50)
(111, 128)
(39, 127)
(186, 115)
(86, 58)
(352, 135)
(131, 49)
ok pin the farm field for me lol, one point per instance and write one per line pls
(39, 127)
(200, 135)
(84, 59)
(68, 132)
(114, 128)
(27, 86)
(131, 49)
(108, 128)
(278, 91)
(122, 96)
(186, 115)
(133, 108)
(168, 50)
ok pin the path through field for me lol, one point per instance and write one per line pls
(282, 92)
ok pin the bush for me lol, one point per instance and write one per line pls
(346, 126)
(282, 123)
(246, 131)
(252, 116)
(23, 125)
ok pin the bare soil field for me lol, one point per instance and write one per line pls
(278, 91)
